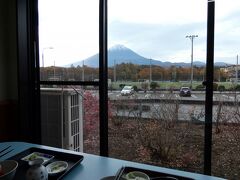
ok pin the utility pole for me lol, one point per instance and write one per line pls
(43, 54)
(54, 70)
(219, 78)
(237, 71)
(191, 37)
(150, 76)
(114, 71)
(43, 58)
(83, 71)
(175, 73)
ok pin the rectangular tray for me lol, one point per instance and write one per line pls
(30, 157)
(71, 159)
(152, 174)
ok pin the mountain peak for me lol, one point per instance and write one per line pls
(118, 54)
(118, 47)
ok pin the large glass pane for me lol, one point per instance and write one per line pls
(68, 40)
(226, 127)
(156, 93)
(70, 117)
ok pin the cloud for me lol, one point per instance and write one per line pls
(153, 28)
(157, 11)
(167, 41)
(227, 36)
(158, 41)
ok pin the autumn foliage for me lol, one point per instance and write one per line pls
(131, 72)
(91, 121)
(91, 112)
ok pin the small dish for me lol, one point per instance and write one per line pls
(8, 169)
(37, 155)
(56, 167)
(137, 175)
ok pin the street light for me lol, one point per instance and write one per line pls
(43, 54)
(191, 37)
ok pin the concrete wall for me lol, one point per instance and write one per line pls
(8, 50)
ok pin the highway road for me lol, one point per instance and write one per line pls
(196, 95)
(192, 110)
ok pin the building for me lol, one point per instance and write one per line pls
(231, 72)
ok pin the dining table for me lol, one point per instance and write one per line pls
(95, 167)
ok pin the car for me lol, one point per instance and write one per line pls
(185, 91)
(127, 90)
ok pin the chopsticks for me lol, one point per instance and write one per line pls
(3, 151)
(119, 173)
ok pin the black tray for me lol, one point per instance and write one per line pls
(152, 174)
(71, 159)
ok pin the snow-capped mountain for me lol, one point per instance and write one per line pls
(118, 54)
(121, 54)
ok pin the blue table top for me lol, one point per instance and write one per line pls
(96, 167)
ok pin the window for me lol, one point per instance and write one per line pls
(124, 32)
(226, 130)
(68, 40)
(162, 122)
(69, 93)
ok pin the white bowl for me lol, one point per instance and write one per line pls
(56, 167)
(137, 175)
(8, 167)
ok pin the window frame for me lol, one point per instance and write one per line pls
(103, 78)
(209, 88)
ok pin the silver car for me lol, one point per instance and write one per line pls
(127, 90)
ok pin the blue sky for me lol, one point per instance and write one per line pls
(153, 28)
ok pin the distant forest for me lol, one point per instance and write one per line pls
(129, 72)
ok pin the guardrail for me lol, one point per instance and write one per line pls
(179, 101)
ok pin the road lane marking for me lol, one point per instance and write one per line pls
(227, 97)
(194, 96)
(230, 97)
(147, 95)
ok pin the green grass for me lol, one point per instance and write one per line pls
(168, 85)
